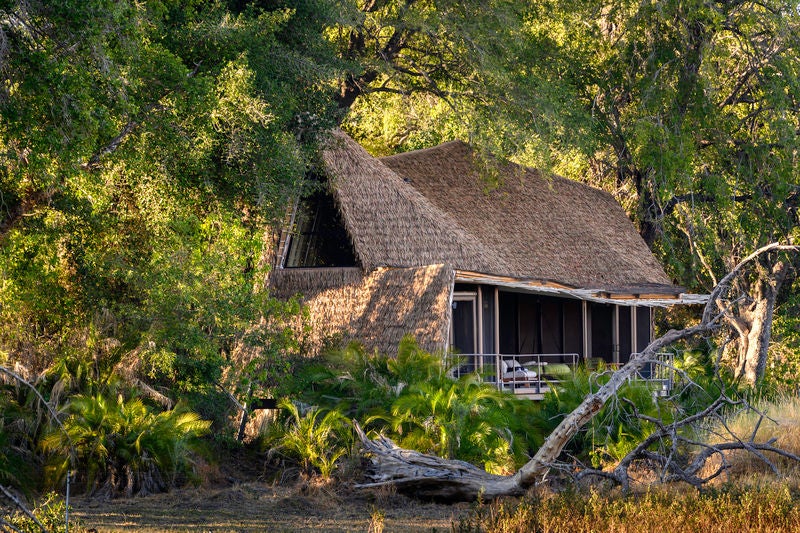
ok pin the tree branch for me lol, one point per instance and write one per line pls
(94, 161)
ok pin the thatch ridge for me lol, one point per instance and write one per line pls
(392, 224)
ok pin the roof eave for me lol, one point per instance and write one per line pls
(662, 298)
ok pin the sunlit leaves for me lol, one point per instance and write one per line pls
(121, 445)
(141, 158)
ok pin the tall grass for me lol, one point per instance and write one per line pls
(772, 508)
(781, 422)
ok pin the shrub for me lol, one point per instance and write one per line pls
(456, 419)
(18, 428)
(121, 446)
(316, 439)
(615, 430)
(50, 512)
(413, 400)
(360, 384)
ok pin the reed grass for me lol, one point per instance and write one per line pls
(781, 422)
(770, 508)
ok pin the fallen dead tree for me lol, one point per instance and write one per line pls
(434, 477)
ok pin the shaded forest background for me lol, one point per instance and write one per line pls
(147, 148)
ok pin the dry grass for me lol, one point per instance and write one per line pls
(263, 507)
(752, 500)
(772, 507)
(781, 422)
(768, 509)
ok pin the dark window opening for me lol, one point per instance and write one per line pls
(488, 320)
(538, 324)
(319, 238)
(643, 324)
(463, 340)
(573, 327)
(625, 334)
(508, 323)
(602, 332)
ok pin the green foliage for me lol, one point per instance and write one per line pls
(615, 430)
(783, 366)
(121, 446)
(317, 438)
(681, 110)
(23, 420)
(362, 384)
(413, 400)
(456, 419)
(140, 158)
(16, 435)
(50, 511)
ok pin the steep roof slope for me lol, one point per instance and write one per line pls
(542, 227)
(392, 224)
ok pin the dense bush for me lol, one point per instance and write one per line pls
(615, 430)
(412, 399)
(120, 445)
(315, 439)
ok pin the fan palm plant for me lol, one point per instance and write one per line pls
(457, 419)
(120, 445)
(317, 438)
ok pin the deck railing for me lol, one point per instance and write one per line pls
(519, 373)
(535, 374)
(660, 373)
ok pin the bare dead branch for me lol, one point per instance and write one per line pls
(19, 505)
(428, 475)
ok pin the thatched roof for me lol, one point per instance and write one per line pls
(392, 224)
(377, 308)
(433, 206)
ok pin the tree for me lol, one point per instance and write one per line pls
(141, 157)
(404, 47)
(430, 476)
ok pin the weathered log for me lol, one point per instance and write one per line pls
(428, 476)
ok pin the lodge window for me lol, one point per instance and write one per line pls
(319, 238)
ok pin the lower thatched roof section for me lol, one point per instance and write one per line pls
(377, 308)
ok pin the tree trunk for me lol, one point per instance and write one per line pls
(754, 325)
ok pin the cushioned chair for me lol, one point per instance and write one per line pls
(556, 371)
(513, 371)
